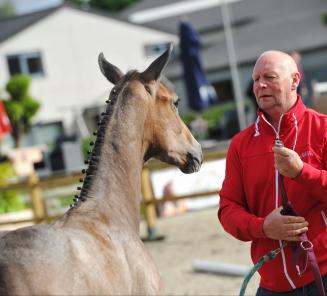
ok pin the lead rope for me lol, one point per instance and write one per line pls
(264, 259)
(305, 244)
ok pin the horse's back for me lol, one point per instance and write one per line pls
(27, 256)
(47, 260)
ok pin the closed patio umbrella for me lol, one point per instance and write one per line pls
(200, 93)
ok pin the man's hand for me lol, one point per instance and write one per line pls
(279, 227)
(287, 162)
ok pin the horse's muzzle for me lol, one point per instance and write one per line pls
(193, 163)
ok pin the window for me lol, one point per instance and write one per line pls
(44, 134)
(27, 63)
(91, 116)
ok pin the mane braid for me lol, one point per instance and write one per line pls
(94, 157)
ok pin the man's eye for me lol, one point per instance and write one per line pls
(271, 77)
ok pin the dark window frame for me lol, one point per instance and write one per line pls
(24, 64)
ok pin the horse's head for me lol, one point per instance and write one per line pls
(165, 135)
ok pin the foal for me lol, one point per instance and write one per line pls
(94, 248)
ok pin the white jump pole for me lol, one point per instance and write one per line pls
(220, 268)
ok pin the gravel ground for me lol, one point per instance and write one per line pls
(198, 235)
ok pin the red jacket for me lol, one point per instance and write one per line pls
(248, 192)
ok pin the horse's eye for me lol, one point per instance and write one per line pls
(176, 103)
(147, 88)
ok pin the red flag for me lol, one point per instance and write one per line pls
(5, 126)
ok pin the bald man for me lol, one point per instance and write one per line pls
(250, 199)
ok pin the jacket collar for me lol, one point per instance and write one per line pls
(289, 118)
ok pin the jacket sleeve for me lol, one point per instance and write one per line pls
(315, 179)
(233, 213)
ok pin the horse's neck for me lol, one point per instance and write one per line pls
(115, 190)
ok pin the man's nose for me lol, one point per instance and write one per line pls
(263, 84)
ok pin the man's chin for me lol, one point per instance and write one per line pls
(266, 106)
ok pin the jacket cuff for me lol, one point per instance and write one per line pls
(256, 227)
(309, 175)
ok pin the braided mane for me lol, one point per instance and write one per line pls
(94, 154)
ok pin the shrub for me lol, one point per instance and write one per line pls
(189, 117)
(20, 106)
(214, 114)
(10, 201)
(86, 146)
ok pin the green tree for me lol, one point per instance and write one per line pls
(20, 106)
(324, 17)
(110, 5)
(7, 9)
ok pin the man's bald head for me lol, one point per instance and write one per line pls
(282, 58)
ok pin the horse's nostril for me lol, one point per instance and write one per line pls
(193, 164)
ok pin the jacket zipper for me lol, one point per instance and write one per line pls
(324, 217)
(278, 141)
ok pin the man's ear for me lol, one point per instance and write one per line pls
(296, 80)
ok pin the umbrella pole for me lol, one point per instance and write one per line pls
(233, 65)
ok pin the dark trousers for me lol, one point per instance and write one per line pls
(307, 290)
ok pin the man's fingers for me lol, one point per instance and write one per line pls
(281, 151)
(278, 226)
(295, 229)
(293, 219)
(294, 235)
(295, 226)
(292, 231)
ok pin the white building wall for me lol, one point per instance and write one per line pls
(69, 41)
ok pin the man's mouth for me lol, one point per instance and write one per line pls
(265, 96)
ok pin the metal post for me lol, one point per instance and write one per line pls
(233, 65)
(150, 211)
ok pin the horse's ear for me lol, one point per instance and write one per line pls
(111, 72)
(154, 71)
